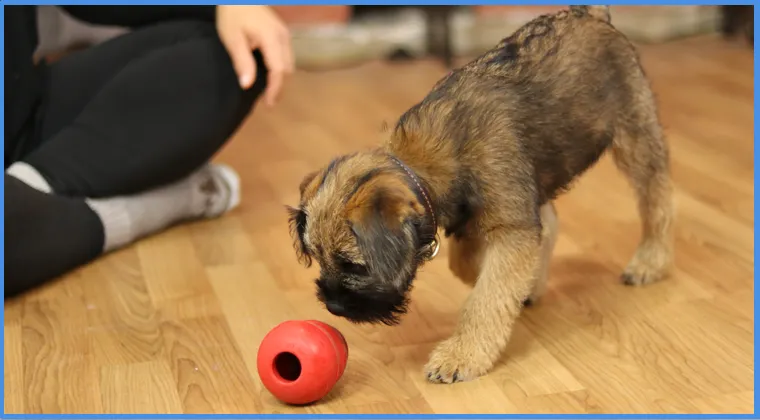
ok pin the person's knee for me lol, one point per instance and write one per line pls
(213, 105)
(209, 50)
(234, 102)
(262, 74)
(212, 52)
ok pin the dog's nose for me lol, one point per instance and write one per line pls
(336, 308)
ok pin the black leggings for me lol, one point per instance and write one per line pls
(133, 113)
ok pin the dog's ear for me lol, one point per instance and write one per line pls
(306, 181)
(384, 214)
(297, 223)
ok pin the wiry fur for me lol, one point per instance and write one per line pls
(492, 144)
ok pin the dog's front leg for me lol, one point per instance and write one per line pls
(465, 254)
(509, 264)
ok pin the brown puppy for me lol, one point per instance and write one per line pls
(482, 157)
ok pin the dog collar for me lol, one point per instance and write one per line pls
(435, 245)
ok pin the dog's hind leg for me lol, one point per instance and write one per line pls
(641, 153)
(549, 231)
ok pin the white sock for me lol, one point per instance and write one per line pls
(207, 193)
(26, 173)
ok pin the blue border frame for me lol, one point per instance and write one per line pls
(382, 416)
(369, 2)
(347, 416)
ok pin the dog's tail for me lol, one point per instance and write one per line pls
(598, 12)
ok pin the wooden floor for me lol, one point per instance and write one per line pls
(172, 324)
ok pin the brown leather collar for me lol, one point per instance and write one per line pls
(435, 244)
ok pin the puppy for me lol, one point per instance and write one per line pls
(482, 157)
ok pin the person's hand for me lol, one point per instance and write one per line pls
(243, 29)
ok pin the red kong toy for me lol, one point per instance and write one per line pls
(300, 361)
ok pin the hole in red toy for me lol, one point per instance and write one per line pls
(287, 366)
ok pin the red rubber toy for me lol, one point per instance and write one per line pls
(299, 362)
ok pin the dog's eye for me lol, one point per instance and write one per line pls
(353, 268)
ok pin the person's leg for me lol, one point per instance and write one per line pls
(45, 235)
(126, 150)
(169, 101)
(48, 234)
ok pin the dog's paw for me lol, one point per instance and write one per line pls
(454, 360)
(534, 297)
(633, 278)
(649, 264)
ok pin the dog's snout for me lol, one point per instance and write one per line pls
(336, 308)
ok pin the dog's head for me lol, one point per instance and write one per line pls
(367, 223)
